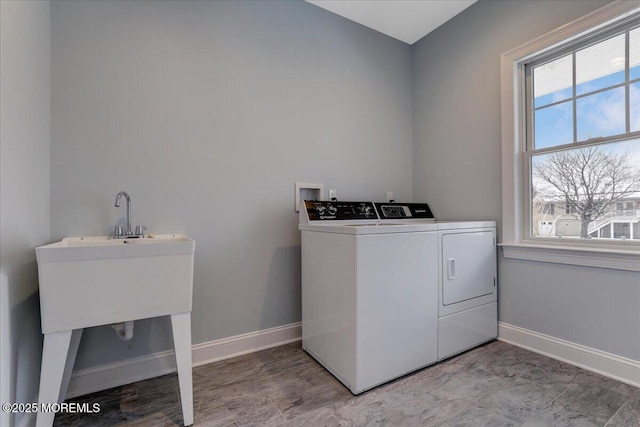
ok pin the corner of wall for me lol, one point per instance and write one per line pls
(25, 192)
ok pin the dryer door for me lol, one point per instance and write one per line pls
(468, 266)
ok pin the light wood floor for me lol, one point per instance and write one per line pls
(494, 385)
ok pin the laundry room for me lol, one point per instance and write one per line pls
(207, 113)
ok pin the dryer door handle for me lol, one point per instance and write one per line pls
(451, 268)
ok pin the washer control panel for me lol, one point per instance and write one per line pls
(339, 211)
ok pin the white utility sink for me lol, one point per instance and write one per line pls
(91, 281)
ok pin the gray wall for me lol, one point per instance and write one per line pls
(457, 170)
(595, 307)
(456, 83)
(24, 192)
(207, 113)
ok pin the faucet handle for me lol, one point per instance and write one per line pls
(117, 232)
(139, 230)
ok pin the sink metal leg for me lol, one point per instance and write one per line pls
(54, 358)
(71, 359)
(181, 326)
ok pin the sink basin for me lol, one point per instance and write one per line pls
(103, 247)
(91, 281)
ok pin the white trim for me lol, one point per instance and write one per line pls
(588, 257)
(111, 375)
(226, 348)
(512, 105)
(609, 365)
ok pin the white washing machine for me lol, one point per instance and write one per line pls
(369, 293)
(374, 305)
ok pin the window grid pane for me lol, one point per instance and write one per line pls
(634, 107)
(634, 54)
(601, 115)
(553, 81)
(554, 125)
(601, 65)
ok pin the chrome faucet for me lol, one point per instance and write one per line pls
(118, 234)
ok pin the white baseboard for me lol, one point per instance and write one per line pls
(141, 368)
(609, 365)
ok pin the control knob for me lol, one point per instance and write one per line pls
(365, 210)
(332, 210)
(321, 209)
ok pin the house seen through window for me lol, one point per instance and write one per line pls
(583, 139)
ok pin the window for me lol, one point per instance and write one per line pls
(570, 208)
(621, 230)
(582, 145)
(552, 79)
(625, 209)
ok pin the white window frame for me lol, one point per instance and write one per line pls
(513, 110)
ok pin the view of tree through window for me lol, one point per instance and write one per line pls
(583, 144)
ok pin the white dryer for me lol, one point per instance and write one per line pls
(467, 289)
(467, 280)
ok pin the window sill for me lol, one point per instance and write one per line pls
(617, 259)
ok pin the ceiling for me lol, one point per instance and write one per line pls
(405, 20)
